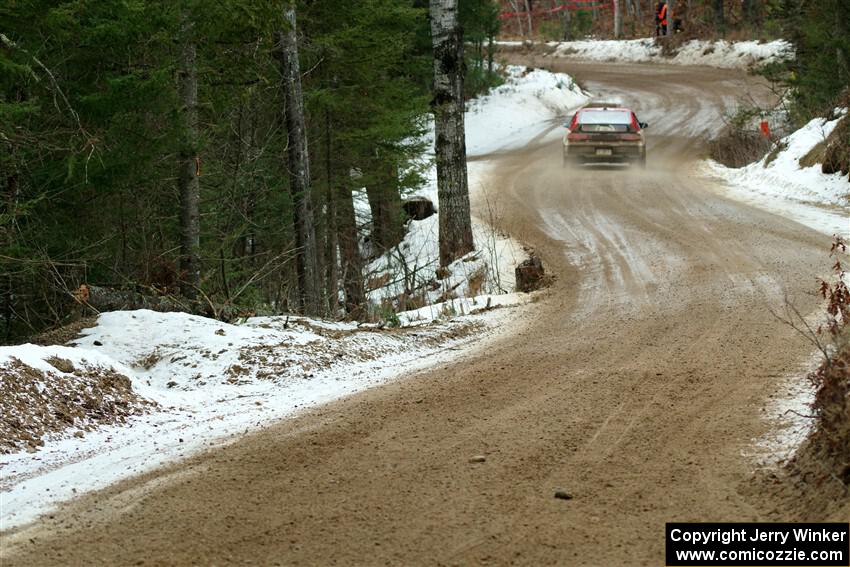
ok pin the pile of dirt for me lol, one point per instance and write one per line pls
(36, 404)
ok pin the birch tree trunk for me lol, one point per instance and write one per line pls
(528, 17)
(450, 143)
(618, 19)
(309, 276)
(188, 172)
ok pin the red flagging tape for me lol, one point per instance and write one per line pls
(574, 5)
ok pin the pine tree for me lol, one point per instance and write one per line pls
(365, 104)
(188, 186)
(97, 116)
(299, 168)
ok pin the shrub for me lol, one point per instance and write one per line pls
(737, 147)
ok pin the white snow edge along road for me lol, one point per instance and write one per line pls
(215, 381)
(721, 53)
(783, 186)
(820, 201)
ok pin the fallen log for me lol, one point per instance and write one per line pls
(103, 299)
(418, 208)
(109, 299)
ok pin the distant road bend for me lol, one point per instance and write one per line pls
(635, 386)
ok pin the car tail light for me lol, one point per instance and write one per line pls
(575, 137)
(630, 137)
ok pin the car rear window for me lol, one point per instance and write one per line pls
(605, 120)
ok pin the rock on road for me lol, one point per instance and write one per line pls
(632, 389)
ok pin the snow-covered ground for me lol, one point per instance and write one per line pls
(782, 185)
(720, 53)
(212, 382)
(525, 106)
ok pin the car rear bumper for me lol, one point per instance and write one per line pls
(604, 152)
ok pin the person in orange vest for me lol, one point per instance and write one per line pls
(661, 18)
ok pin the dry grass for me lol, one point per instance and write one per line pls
(774, 152)
(64, 334)
(815, 155)
(836, 156)
(737, 147)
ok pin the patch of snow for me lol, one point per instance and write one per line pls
(413, 264)
(720, 53)
(461, 306)
(36, 356)
(625, 51)
(733, 55)
(186, 364)
(788, 414)
(820, 201)
(514, 113)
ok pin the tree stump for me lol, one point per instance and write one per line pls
(529, 275)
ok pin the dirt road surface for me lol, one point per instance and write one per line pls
(636, 385)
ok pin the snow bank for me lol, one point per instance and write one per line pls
(626, 51)
(516, 112)
(781, 184)
(788, 413)
(527, 104)
(721, 53)
(732, 55)
(212, 382)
